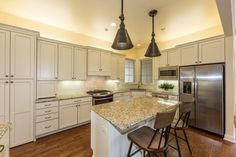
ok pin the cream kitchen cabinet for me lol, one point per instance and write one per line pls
(4, 101)
(189, 54)
(211, 51)
(47, 60)
(117, 67)
(138, 93)
(68, 115)
(46, 89)
(80, 63)
(99, 62)
(21, 112)
(65, 62)
(169, 57)
(163, 59)
(74, 111)
(4, 54)
(17, 75)
(22, 56)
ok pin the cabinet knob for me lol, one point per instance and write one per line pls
(196, 62)
(11, 82)
(200, 61)
(6, 82)
(12, 75)
(6, 75)
(56, 78)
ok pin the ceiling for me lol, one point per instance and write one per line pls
(91, 17)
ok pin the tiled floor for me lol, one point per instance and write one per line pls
(76, 143)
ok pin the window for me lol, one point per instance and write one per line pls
(146, 71)
(129, 70)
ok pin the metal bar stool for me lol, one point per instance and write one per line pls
(151, 140)
(181, 124)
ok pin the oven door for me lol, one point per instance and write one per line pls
(168, 73)
(102, 100)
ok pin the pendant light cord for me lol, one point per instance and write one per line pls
(122, 18)
(153, 33)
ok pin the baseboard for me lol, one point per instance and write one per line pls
(230, 138)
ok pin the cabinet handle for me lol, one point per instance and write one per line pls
(6, 82)
(48, 117)
(6, 75)
(46, 127)
(2, 148)
(48, 111)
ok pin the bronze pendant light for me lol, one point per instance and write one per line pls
(153, 50)
(122, 40)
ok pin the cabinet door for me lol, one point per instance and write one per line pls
(84, 112)
(189, 54)
(21, 104)
(47, 60)
(68, 115)
(4, 54)
(80, 64)
(4, 101)
(65, 64)
(114, 67)
(46, 89)
(23, 56)
(156, 61)
(93, 62)
(121, 67)
(106, 63)
(212, 51)
(163, 59)
(173, 57)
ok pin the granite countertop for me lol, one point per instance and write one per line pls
(128, 114)
(3, 129)
(63, 97)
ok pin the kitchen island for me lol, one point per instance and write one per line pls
(111, 122)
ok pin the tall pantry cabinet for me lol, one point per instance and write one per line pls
(17, 82)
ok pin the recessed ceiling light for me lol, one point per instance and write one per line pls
(113, 24)
(138, 45)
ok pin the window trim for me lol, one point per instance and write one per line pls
(134, 61)
(152, 82)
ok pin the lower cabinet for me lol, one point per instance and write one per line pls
(74, 111)
(46, 119)
(137, 93)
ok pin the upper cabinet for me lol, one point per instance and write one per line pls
(169, 57)
(4, 54)
(80, 63)
(189, 54)
(22, 56)
(99, 62)
(47, 60)
(118, 67)
(65, 62)
(211, 51)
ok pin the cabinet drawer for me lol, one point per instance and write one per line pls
(46, 105)
(47, 111)
(75, 101)
(45, 127)
(46, 117)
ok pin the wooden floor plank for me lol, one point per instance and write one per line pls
(76, 143)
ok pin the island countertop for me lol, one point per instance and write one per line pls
(127, 114)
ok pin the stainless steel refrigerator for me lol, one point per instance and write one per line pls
(205, 85)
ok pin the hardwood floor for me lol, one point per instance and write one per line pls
(76, 143)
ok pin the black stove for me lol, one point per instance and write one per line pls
(101, 96)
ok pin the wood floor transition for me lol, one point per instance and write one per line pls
(76, 143)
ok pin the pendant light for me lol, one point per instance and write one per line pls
(122, 40)
(153, 50)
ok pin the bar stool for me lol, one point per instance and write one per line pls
(151, 140)
(181, 124)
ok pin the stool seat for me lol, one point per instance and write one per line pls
(142, 137)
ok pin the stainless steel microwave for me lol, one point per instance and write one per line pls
(169, 73)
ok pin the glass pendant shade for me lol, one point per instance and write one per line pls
(153, 50)
(122, 40)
